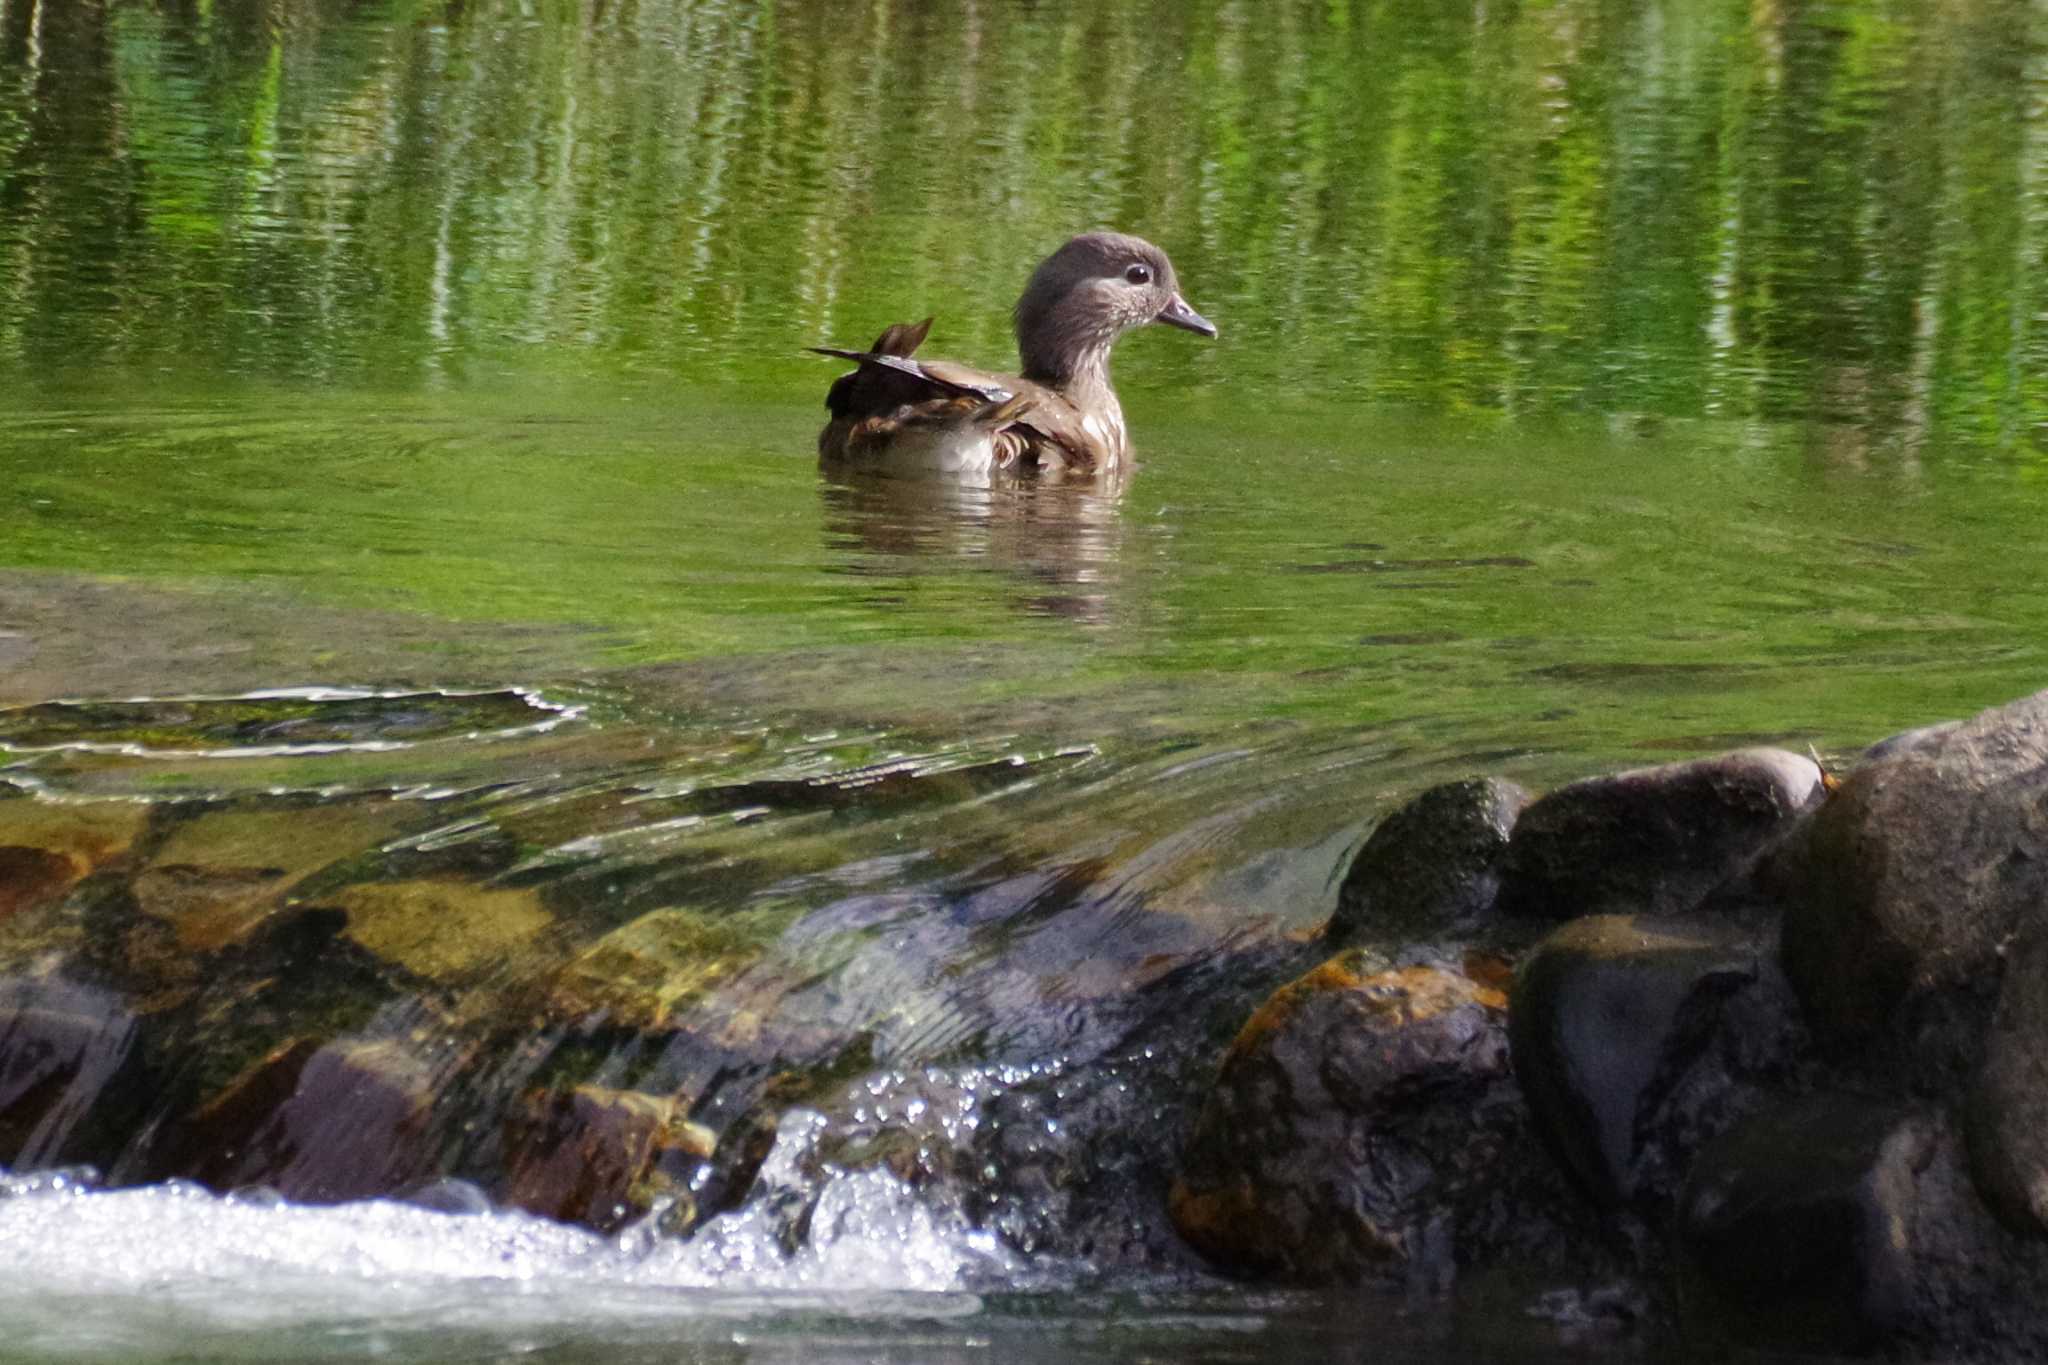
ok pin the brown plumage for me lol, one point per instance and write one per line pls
(901, 413)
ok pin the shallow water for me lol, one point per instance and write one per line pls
(1597, 386)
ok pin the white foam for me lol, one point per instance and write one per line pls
(132, 1271)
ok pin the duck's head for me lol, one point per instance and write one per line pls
(1090, 292)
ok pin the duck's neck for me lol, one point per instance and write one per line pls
(1079, 372)
(1085, 384)
(1071, 357)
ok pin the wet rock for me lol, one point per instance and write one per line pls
(1900, 891)
(32, 877)
(46, 849)
(1433, 866)
(2006, 1116)
(319, 1123)
(603, 1157)
(221, 873)
(70, 1074)
(268, 720)
(1653, 840)
(640, 974)
(1636, 1039)
(1350, 1116)
(1803, 1227)
(445, 931)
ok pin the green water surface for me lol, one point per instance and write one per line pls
(1598, 383)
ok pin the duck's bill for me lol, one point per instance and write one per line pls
(1178, 314)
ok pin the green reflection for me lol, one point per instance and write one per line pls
(1680, 207)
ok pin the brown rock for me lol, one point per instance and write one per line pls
(1348, 1116)
(47, 848)
(317, 1123)
(601, 1157)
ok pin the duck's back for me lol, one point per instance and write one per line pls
(937, 415)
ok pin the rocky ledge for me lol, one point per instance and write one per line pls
(1728, 1044)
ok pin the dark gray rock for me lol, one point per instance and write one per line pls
(1433, 866)
(1350, 1116)
(1653, 840)
(1901, 889)
(1841, 1223)
(1797, 1228)
(1635, 1040)
(2006, 1117)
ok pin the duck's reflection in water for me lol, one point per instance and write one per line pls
(1062, 538)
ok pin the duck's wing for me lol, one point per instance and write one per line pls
(1032, 425)
(889, 378)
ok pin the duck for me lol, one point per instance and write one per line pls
(896, 413)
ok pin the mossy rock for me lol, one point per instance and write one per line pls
(447, 932)
(645, 971)
(221, 874)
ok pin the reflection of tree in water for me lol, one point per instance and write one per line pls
(1665, 208)
(1062, 537)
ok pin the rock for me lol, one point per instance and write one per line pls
(47, 848)
(1900, 891)
(1433, 866)
(643, 972)
(32, 877)
(445, 931)
(1351, 1113)
(1634, 1040)
(71, 1078)
(2006, 1115)
(318, 1123)
(602, 1157)
(221, 873)
(1798, 1229)
(1653, 840)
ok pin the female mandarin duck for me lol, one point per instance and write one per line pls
(909, 415)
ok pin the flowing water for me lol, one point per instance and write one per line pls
(406, 491)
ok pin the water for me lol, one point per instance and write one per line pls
(1598, 385)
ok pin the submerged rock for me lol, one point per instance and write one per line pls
(220, 874)
(440, 929)
(1633, 1040)
(1433, 866)
(72, 1078)
(1901, 891)
(1654, 840)
(1352, 1114)
(603, 1157)
(47, 849)
(645, 971)
(315, 1122)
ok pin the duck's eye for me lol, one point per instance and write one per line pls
(1139, 274)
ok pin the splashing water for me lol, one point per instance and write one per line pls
(122, 1272)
